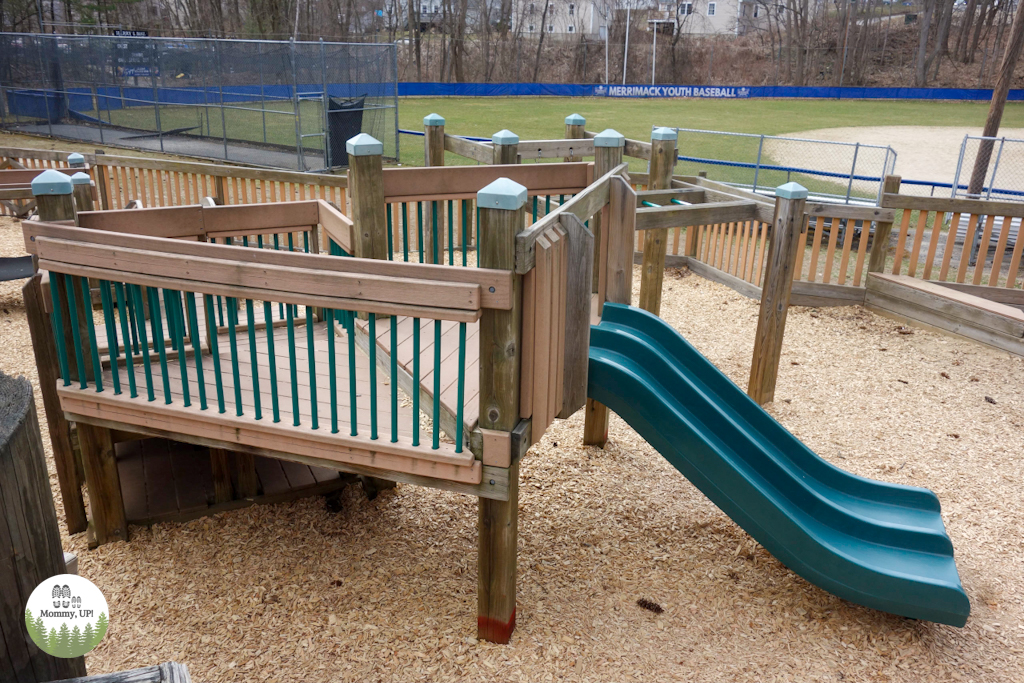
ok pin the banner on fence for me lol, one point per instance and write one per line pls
(694, 91)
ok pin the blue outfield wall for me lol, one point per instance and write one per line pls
(80, 99)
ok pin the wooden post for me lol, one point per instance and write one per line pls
(82, 191)
(574, 125)
(663, 161)
(608, 145)
(76, 160)
(616, 286)
(30, 547)
(880, 246)
(506, 148)
(433, 140)
(53, 192)
(105, 502)
(502, 217)
(100, 175)
(45, 350)
(784, 241)
(433, 155)
(366, 189)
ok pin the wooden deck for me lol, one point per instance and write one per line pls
(164, 481)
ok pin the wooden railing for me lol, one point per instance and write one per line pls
(964, 241)
(165, 183)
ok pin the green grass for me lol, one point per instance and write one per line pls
(542, 118)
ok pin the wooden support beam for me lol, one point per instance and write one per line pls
(574, 130)
(506, 147)
(220, 464)
(433, 140)
(54, 193)
(502, 217)
(108, 516)
(607, 155)
(577, 315)
(366, 189)
(83, 191)
(883, 229)
(44, 347)
(663, 162)
(784, 241)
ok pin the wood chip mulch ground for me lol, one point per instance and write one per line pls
(386, 590)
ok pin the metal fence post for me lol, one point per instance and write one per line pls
(995, 169)
(959, 165)
(853, 171)
(156, 92)
(263, 96)
(295, 104)
(220, 89)
(394, 57)
(757, 166)
(327, 102)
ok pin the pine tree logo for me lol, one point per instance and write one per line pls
(66, 616)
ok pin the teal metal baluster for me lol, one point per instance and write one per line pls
(197, 346)
(393, 323)
(460, 409)
(289, 311)
(113, 343)
(69, 288)
(373, 375)
(157, 327)
(305, 241)
(90, 327)
(171, 322)
(133, 321)
(465, 230)
(547, 204)
(214, 351)
(280, 306)
(332, 369)
(268, 316)
(135, 292)
(310, 351)
(433, 233)
(350, 325)
(232, 306)
(405, 230)
(179, 339)
(391, 239)
(122, 310)
(415, 381)
(254, 360)
(58, 330)
(419, 227)
(451, 234)
(291, 241)
(534, 208)
(437, 385)
(108, 319)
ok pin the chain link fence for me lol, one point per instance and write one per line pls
(1004, 177)
(281, 104)
(831, 171)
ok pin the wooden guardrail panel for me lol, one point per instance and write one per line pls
(495, 285)
(950, 205)
(178, 221)
(674, 216)
(553, 149)
(457, 182)
(250, 219)
(478, 151)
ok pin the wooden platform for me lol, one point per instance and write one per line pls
(165, 481)
(990, 322)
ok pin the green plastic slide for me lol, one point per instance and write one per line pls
(877, 544)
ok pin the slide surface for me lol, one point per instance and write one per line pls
(877, 544)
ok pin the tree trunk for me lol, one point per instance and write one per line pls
(995, 111)
(920, 77)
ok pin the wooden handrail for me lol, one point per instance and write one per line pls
(676, 216)
(463, 182)
(584, 205)
(953, 205)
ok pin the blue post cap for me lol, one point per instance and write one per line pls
(80, 179)
(433, 120)
(364, 145)
(664, 134)
(51, 182)
(503, 193)
(609, 138)
(791, 191)
(505, 137)
(575, 120)
(76, 159)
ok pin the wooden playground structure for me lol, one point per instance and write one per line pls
(277, 324)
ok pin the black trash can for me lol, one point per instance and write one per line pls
(344, 122)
